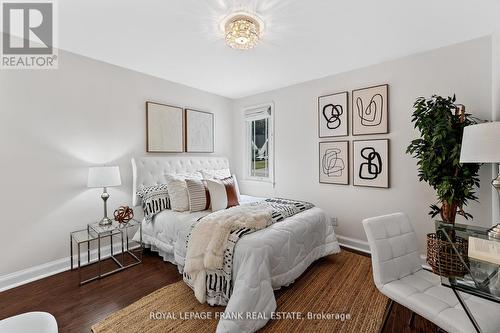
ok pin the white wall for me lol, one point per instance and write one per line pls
(56, 123)
(463, 69)
(495, 114)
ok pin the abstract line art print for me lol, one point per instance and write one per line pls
(370, 110)
(371, 114)
(371, 163)
(333, 115)
(334, 162)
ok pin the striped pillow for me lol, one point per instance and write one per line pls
(154, 199)
(223, 193)
(199, 197)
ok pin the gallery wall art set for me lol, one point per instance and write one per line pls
(172, 129)
(369, 114)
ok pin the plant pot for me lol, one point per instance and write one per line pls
(442, 257)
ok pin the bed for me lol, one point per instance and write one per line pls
(263, 261)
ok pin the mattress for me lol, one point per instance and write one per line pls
(263, 261)
(162, 234)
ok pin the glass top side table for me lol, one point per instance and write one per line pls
(100, 243)
(482, 278)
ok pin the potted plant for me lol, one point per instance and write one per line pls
(441, 123)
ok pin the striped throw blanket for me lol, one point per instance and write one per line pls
(208, 266)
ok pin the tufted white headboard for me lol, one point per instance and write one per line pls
(147, 171)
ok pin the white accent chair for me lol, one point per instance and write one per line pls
(398, 274)
(29, 322)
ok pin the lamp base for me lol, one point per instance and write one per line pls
(494, 232)
(105, 221)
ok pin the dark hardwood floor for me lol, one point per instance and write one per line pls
(399, 319)
(78, 308)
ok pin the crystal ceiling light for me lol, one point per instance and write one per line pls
(242, 30)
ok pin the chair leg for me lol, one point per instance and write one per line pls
(411, 322)
(387, 313)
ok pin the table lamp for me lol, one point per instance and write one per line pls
(481, 144)
(104, 177)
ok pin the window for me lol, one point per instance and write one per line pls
(259, 143)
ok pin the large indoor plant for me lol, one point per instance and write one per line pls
(441, 123)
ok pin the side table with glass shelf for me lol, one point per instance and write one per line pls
(100, 243)
(482, 278)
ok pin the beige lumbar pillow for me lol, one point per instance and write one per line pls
(223, 193)
(177, 190)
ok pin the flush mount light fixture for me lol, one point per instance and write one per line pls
(242, 30)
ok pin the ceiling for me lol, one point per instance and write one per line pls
(179, 40)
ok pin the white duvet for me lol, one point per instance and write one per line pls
(265, 260)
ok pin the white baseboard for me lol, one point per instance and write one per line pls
(15, 279)
(34, 273)
(354, 244)
(38, 272)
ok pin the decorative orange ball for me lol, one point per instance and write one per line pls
(123, 214)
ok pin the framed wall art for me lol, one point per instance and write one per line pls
(199, 131)
(164, 128)
(371, 163)
(333, 115)
(370, 110)
(334, 162)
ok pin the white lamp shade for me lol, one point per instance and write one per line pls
(481, 143)
(104, 176)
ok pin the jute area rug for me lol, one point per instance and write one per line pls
(336, 294)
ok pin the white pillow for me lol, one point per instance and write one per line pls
(185, 175)
(223, 193)
(221, 174)
(217, 174)
(237, 187)
(177, 191)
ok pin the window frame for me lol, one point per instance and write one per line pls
(248, 159)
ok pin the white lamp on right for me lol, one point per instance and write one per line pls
(481, 144)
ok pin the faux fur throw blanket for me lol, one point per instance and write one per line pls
(210, 245)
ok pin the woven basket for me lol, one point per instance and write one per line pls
(443, 259)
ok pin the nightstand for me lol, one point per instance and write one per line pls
(110, 242)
